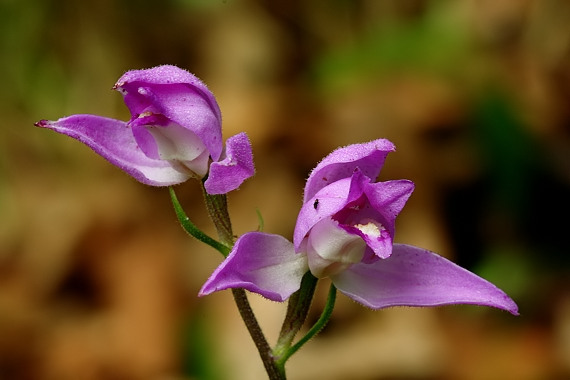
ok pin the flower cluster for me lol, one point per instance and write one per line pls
(345, 228)
(175, 132)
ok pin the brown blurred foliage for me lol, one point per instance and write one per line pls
(97, 279)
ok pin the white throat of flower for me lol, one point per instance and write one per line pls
(331, 249)
(180, 146)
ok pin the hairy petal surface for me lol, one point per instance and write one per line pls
(414, 276)
(341, 163)
(237, 166)
(161, 75)
(262, 263)
(114, 141)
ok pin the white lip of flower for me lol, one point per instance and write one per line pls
(180, 146)
(331, 249)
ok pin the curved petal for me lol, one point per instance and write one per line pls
(414, 276)
(236, 167)
(114, 141)
(375, 235)
(388, 198)
(261, 263)
(327, 202)
(166, 74)
(179, 96)
(368, 157)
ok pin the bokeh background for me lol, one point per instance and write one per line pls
(98, 280)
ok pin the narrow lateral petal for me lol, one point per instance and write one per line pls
(237, 166)
(114, 141)
(368, 157)
(261, 263)
(388, 198)
(328, 201)
(414, 276)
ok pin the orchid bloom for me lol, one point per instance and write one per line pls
(345, 231)
(175, 132)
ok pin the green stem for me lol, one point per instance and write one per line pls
(191, 228)
(297, 311)
(217, 207)
(274, 371)
(317, 327)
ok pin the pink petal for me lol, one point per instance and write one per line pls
(237, 166)
(114, 141)
(368, 157)
(261, 263)
(389, 198)
(414, 276)
(179, 96)
(327, 202)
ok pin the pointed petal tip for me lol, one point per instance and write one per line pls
(42, 123)
(509, 305)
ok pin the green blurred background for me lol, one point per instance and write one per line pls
(97, 279)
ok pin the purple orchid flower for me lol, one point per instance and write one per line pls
(173, 134)
(345, 231)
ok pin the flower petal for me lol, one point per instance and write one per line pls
(173, 143)
(114, 141)
(331, 249)
(328, 201)
(165, 75)
(368, 157)
(261, 263)
(388, 198)
(179, 96)
(414, 276)
(237, 166)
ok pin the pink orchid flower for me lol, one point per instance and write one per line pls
(345, 232)
(175, 132)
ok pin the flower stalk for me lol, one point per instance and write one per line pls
(217, 207)
(317, 327)
(297, 311)
(194, 231)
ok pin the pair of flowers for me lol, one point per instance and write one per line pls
(345, 227)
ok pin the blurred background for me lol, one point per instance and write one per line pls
(98, 280)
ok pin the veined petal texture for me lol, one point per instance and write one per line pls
(413, 276)
(114, 141)
(262, 263)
